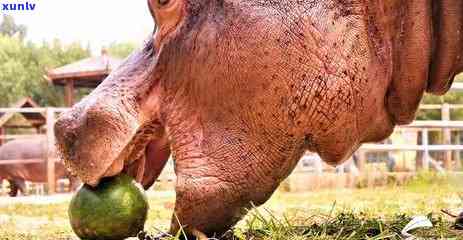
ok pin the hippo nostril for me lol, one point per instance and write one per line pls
(70, 140)
(66, 135)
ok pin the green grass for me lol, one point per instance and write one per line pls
(378, 213)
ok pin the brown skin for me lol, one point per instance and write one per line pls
(17, 174)
(239, 89)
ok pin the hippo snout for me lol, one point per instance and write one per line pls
(91, 138)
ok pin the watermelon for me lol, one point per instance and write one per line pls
(116, 209)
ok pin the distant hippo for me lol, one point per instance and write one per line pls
(17, 174)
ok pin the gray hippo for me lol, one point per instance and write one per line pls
(17, 174)
(238, 90)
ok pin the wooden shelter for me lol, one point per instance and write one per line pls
(28, 121)
(86, 73)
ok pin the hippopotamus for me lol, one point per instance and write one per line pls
(17, 174)
(237, 90)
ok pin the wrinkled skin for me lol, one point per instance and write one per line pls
(17, 174)
(239, 89)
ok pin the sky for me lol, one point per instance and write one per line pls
(98, 22)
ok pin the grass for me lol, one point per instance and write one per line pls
(378, 213)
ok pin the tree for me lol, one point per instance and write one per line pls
(450, 97)
(23, 65)
(121, 50)
(48, 56)
(10, 28)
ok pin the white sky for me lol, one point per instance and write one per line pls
(98, 22)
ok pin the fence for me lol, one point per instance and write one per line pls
(318, 175)
(446, 125)
(50, 114)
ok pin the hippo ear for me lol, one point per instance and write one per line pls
(447, 45)
(167, 16)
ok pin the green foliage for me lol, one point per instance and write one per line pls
(24, 64)
(121, 50)
(450, 97)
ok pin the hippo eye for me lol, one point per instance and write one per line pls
(163, 2)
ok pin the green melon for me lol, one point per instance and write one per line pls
(115, 210)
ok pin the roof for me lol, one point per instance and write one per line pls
(89, 72)
(35, 119)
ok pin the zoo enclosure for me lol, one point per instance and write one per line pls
(446, 126)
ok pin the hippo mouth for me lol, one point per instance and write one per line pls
(143, 158)
(103, 144)
(143, 161)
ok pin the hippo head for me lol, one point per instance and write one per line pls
(239, 89)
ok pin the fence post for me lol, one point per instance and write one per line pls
(49, 151)
(69, 93)
(457, 155)
(361, 161)
(425, 141)
(447, 134)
